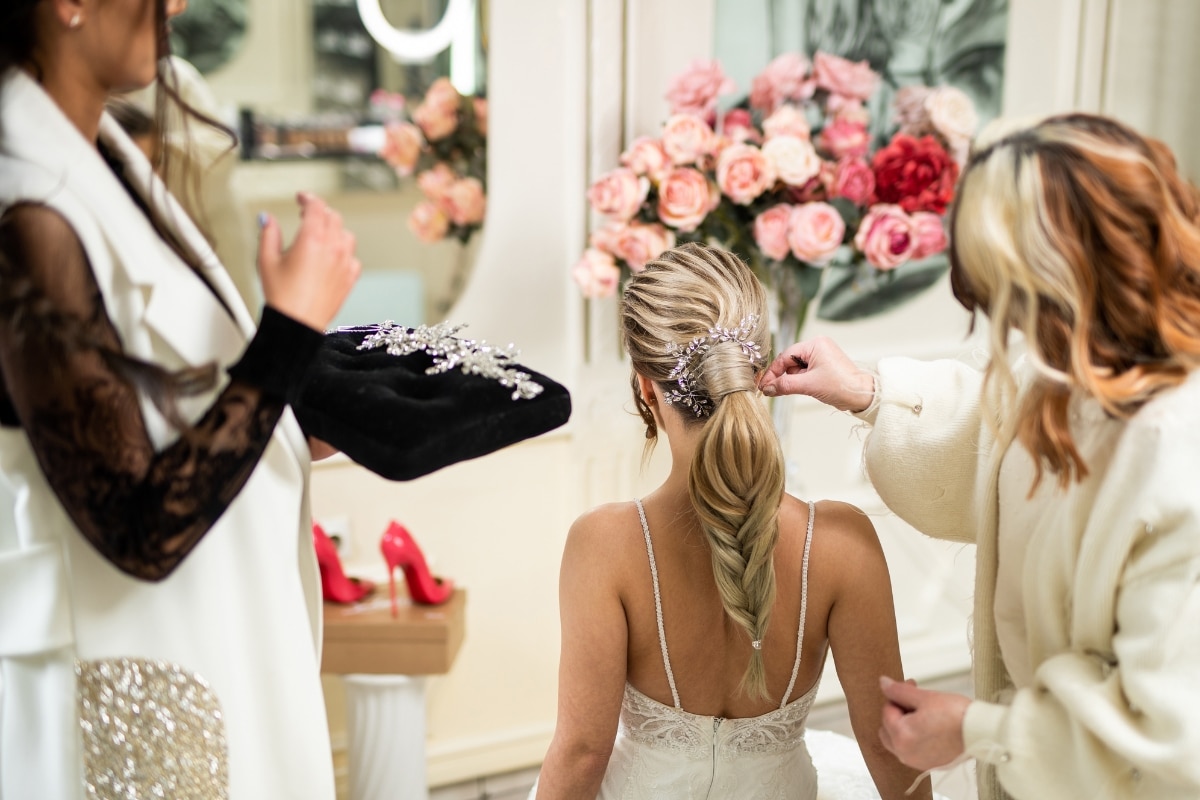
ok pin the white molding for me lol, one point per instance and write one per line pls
(454, 760)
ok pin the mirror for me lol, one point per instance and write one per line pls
(317, 102)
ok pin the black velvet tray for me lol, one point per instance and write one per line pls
(387, 414)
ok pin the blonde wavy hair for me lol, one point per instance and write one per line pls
(1079, 233)
(736, 477)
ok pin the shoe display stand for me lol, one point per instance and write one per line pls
(383, 660)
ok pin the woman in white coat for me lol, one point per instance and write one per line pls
(1074, 468)
(159, 603)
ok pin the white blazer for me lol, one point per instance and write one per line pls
(93, 662)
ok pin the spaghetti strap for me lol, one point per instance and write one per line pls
(812, 513)
(662, 636)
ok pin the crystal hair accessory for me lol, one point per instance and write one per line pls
(756, 644)
(687, 355)
(451, 352)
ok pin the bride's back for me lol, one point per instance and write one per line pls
(708, 652)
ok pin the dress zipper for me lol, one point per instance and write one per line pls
(713, 778)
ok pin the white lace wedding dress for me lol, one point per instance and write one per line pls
(666, 753)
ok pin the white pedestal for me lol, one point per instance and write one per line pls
(385, 722)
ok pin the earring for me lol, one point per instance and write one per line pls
(75, 20)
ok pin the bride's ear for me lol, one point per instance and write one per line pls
(649, 391)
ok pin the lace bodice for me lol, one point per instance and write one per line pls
(650, 723)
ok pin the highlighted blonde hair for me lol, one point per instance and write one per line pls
(736, 476)
(1081, 234)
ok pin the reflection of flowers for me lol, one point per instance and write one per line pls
(445, 144)
(790, 179)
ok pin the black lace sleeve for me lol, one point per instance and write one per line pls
(61, 365)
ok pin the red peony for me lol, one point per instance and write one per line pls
(915, 174)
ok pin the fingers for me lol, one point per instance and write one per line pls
(270, 242)
(785, 362)
(904, 694)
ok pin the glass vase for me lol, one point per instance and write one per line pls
(788, 305)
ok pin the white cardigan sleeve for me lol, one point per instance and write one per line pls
(924, 452)
(1119, 714)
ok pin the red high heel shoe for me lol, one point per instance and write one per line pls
(400, 550)
(335, 586)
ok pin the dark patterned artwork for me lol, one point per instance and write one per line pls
(931, 42)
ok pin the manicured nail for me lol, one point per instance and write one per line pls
(769, 391)
(263, 219)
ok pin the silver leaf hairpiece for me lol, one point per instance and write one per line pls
(451, 352)
(686, 355)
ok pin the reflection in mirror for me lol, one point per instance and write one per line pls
(398, 147)
(210, 33)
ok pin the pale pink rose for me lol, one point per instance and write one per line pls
(815, 232)
(843, 138)
(847, 108)
(442, 94)
(784, 79)
(794, 160)
(787, 120)
(952, 113)
(771, 231)
(606, 238)
(480, 105)
(685, 139)
(685, 197)
(854, 180)
(402, 146)
(738, 126)
(930, 234)
(636, 244)
(695, 90)
(619, 194)
(743, 173)
(647, 157)
(910, 112)
(838, 75)
(435, 182)
(886, 236)
(437, 115)
(597, 274)
(436, 121)
(465, 202)
(428, 222)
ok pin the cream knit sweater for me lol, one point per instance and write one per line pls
(1112, 600)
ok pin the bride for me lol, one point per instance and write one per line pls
(696, 620)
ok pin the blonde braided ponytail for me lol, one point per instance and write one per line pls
(735, 480)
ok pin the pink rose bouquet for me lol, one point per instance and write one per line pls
(823, 202)
(442, 140)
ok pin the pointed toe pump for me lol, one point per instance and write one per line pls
(401, 550)
(336, 587)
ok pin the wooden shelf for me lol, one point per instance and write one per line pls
(364, 638)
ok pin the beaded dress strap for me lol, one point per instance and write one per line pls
(812, 513)
(662, 636)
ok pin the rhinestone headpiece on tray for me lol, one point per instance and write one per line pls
(688, 354)
(450, 352)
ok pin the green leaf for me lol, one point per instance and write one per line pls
(858, 291)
